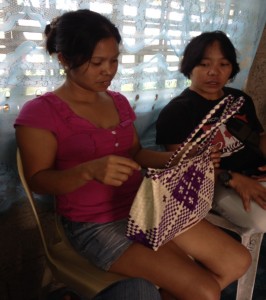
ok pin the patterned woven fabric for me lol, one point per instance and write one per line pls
(185, 198)
(172, 200)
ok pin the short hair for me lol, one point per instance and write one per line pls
(195, 49)
(75, 34)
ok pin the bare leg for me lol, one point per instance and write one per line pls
(166, 296)
(171, 269)
(223, 261)
(225, 257)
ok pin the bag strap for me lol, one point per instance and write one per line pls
(228, 112)
(232, 106)
(206, 138)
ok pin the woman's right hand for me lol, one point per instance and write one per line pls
(111, 169)
(38, 153)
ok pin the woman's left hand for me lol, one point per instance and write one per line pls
(249, 190)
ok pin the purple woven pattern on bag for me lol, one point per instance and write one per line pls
(190, 199)
(188, 186)
(184, 203)
(136, 234)
(172, 200)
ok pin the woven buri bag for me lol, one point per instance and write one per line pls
(172, 200)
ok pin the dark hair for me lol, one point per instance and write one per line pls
(194, 51)
(75, 34)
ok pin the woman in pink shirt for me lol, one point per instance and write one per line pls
(79, 143)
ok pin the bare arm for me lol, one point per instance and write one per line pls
(215, 153)
(249, 190)
(150, 158)
(38, 152)
(158, 159)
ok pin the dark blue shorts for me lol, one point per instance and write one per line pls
(102, 244)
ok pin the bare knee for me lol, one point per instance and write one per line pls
(238, 266)
(210, 293)
(243, 264)
(199, 286)
(204, 291)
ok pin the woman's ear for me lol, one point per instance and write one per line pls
(62, 61)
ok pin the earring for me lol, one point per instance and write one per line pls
(66, 69)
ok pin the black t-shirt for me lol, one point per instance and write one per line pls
(183, 113)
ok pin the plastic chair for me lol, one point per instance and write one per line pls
(65, 264)
(252, 241)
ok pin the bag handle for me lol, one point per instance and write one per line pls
(231, 108)
(228, 113)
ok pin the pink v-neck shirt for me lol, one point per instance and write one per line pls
(79, 141)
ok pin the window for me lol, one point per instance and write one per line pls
(154, 33)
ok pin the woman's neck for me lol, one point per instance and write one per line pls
(208, 96)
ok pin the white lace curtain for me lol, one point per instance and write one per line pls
(154, 35)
